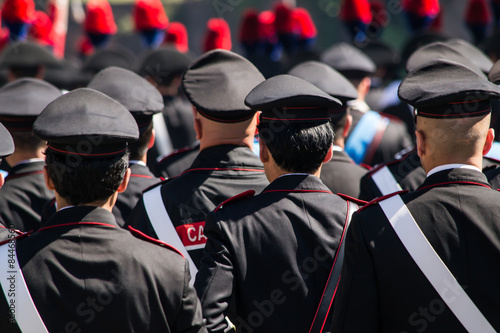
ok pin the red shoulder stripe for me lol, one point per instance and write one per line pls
(359, 202)
(244, 195)
(377, 200)
(143, 236)
(22, 175)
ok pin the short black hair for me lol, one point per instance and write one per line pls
(338, 125)
(27, 141)
(297, 147)
(85, 180)
(140, 147)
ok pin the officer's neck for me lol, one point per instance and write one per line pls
(106, 204)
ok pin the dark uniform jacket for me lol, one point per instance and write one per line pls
(85, 273)
(272, 253)
(140, 179)
(406, 169)
(217, 174)
(176, 163)
(387, 142)
(383, 290)
(23, 196)
(342, 175)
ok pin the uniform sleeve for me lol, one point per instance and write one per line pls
(214, 281)
(189, 318)
(356, 302)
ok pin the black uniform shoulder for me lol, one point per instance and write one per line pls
(177, 154)
(142, 236)
(379, 199)
(236, 198)
(399, 158)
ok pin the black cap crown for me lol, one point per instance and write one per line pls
(27, 54)
(6, 142)
(87, 123)
(446, 89)
(163, 63)
(218, 82)
(349, 61)
(22, 100)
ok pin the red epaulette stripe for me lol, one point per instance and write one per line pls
(143, 236)
(141, 176)
(366, 166)
(19, 236)
(76, 223)
(451, 183)
(11, 176)
(357, 201)
(175, 152)
(243, 195)
(221, 169)
(297, 191)
(378, 199)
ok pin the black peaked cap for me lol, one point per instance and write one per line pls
(163, 62)
(438, 50)
(132, 91)
(447, 89)
(6, 142)
(494, 74)
(475, 55)
(348, 60)
(288, 98)
(86, 122)
(217, 83)
(104, 58)
(382, 54)
(325, 78)
(27, 54)
(22, 100)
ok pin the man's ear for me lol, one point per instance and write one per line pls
(198, 128)
(2, 181)
(152, 140)
(329, 155)
(264, 152)
(420, 136)
(347, 126)
(490, 137)
(124, 184)
(48, 181)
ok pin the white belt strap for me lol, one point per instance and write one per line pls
(433, 267)
(17, 293)
(163, 226)
(385, 181)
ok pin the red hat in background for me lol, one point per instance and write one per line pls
(41, 28)
(478, 12)
(267, 30)
(249, 29)
(149, 14)
(18, 11)
(177, 36)
(437, 24)
(218, 35)
(283, 21)
(356, 10)
(380, 17)
(84, 46)
(306, 27)
(99, 18)
(422, 7)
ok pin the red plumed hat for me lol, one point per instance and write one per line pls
(99, 18)
(422, 7)
(249, 29)
(218, 35)
(41, 28)
(356, 10)
(18, 11)
(306, 27)
(283, 21)
(149, 14)
(267, 30)
(478, 12)
(177, 36)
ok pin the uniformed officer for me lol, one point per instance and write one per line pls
(82, 271)
(143, 101)
(6, 148)
(216, 84)
(374, 138)
(24, 194)
(394, 276)
(340, 174)
(273, 253)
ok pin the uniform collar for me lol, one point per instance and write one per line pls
(77, 214)
(227, 156)
(457, 176)
(451, 166)
(297, 182)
